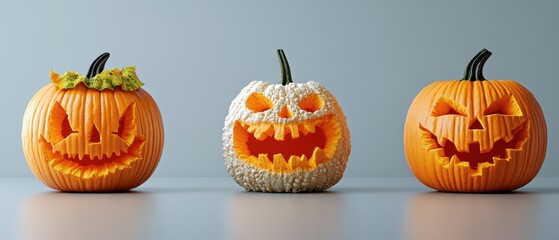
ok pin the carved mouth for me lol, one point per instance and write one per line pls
(280, 147)
(475, 158)
(86, 167)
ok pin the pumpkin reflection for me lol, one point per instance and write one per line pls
(87, 216)
(302, 216)
(433, 216)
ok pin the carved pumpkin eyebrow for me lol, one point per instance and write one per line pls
(506, 105)
(446, 106)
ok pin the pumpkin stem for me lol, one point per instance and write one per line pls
(285, 71)
(98, 65)
(474, 69)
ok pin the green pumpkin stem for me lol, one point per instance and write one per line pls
(98, 65)
(285, 71)
(474, 69)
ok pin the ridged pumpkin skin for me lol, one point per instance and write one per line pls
(290, 137)
(85, 140)
(475, 136)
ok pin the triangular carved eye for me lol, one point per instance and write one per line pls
(127, 124)
(506, 105)
(258, 103)
(445, 106)
(59, 125)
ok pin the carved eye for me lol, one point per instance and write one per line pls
(311, 103)
(127, 124)
(506, 105)
(258, 103)
(59, 125)
(445, 106)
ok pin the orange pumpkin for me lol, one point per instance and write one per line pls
(475, 135)
(96, 133)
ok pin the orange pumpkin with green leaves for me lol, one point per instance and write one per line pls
(96, 133)
(475, 135)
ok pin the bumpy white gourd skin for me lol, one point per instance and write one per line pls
(252, 178)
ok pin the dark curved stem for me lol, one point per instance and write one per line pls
(481, 64)
(469, 73)
(474, 69)
(98, 65)
(285, 71)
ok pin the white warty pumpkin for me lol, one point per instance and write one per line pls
(285, 138)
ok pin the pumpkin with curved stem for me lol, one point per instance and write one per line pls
(475, 135)
(96, 133)
(288, 137)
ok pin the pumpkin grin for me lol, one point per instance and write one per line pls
(87, 167)
(280, 147)
(474, 157)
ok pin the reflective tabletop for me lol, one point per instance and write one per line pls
(216, 208)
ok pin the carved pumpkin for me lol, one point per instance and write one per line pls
(475, 135)
(99, 132)
(287, 137)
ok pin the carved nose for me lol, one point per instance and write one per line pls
(476, 125)
(285, 112)
(94, 137)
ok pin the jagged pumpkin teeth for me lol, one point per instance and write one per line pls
(279, 133)
(260, 136)
(273, 142)
(252, 128)
(312, 162)
(271, 131)
(293, 162)
(294, 130)
(303, 160)
(260, 132)
(279, 162)
(302, 129)
(263, 159)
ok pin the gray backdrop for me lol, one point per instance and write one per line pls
(195, 57)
